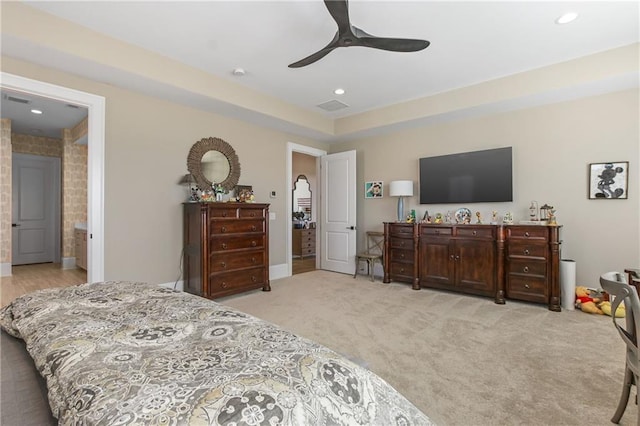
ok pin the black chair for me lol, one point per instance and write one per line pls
(616, 285)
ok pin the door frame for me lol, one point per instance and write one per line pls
(291, 148)
(95, 167)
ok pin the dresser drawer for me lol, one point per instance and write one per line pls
(531, 289)
(474, 232)
(224, 212)
(236, 226)
(532, 233)
(531, 249)
(436, 230)
(402, 270)
(227, 262)
(527, 267)
(402, 243)
(248, 212)
(233, 280)
(401, 256)
(225, 243)
(308, 251)
(400, 230)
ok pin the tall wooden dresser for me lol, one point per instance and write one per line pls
(226, 248)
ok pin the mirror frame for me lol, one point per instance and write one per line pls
(194, 162)
(293, 194)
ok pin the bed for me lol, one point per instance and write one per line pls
(120, 353)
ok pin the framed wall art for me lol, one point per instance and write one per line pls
(608, 180)
(373, 189)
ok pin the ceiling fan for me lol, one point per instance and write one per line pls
(349, 35)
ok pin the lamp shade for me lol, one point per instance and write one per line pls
(401, 188)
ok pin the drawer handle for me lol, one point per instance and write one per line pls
(402, 270)
(457, 257)
(253, 278)
(224, 214)
(253, 260)
(252, 214)
(401, 243)
(253, 228)
(437, 231)
(402, 256)
(526, 234)
(451, 257)
(527, 286)
(253, 244)
(224, 246)
(525, 269)
(474, 233)
(223, 264)
(223, 285)
(526, 252)
(223, 229)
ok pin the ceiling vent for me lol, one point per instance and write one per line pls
(332, 105)
(18, 100)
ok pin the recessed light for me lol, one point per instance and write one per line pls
(566, 18)
(36, 111)
(339, 91)
(238, 72)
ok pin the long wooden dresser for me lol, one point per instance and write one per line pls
(471, 259)
(226, 248)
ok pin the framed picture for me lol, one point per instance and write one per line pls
(243, 193)
(373, 189)
(608, 180)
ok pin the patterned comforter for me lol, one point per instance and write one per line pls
(120, 353)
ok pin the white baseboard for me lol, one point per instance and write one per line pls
(278, 271)
(5, 270)
(68, 262)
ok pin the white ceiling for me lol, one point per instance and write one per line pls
(471, 42)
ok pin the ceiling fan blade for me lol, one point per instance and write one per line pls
(392, 44)
(339, 10)
(312, 58)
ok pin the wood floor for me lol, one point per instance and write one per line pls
(28, 278)
(306, 264)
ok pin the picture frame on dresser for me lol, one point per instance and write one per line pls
(608, 181)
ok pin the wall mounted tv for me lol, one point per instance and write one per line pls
(469, 177)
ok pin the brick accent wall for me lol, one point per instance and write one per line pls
(5, 190)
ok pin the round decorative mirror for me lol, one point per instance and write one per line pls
(212, 160)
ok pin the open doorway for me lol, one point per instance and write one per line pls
(95, 179)
(303, 161)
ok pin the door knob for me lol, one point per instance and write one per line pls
(13, 225)
(351, 227)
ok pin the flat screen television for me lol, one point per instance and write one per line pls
(469, 177)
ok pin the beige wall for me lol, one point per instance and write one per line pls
(146, 145)
(552, 147)
(147, 141)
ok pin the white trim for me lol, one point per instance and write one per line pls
(179, 286)
(96, 141)
(5, 269)
(291, 148)
(279, 271)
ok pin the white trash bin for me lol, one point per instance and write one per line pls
(568, 284)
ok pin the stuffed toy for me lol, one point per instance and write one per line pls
(591, 301)
(606, 308)
(586, 302)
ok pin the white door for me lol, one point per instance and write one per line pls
(35, 209)
(338, 219)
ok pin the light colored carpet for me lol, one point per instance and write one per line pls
(462, 359)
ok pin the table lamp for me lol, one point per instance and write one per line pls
(401, 189)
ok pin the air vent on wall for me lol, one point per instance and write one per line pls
(18, 100)
(332, 105)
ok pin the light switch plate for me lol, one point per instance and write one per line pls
(272, 194)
